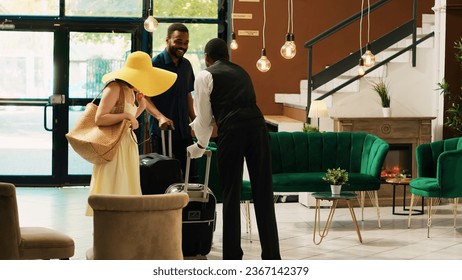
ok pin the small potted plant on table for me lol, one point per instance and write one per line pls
(336, 177)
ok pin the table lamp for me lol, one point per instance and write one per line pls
(318, 109)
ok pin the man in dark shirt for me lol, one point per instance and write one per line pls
(174, 108)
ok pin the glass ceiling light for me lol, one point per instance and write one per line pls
(288, 50)
(150, 24)
(361, 70)
(369, 58)
(263, 64)
(233, 45)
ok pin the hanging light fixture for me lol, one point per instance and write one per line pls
(369, 58)
(263, 64)
(150, 24)
(361, 70)
(288, 50)
(233, 45)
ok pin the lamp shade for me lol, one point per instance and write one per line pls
(318, 109)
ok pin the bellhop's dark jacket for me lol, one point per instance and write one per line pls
(233, 97)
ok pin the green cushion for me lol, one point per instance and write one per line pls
(426, 187)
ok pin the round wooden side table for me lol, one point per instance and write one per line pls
(404, 182)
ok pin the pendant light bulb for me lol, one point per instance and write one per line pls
(233, 45)
(369, 58)
(288, 50)
(263, 64)
(361, 70)
(151, 24)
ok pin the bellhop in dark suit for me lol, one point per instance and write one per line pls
(224, 93)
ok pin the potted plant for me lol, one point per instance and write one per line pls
(453, 112)
(336, 177)
(382, 89)
(309, 128)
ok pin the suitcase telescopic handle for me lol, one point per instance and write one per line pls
(208, 153)
(164, 151)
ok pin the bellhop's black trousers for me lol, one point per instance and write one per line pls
(249, 141)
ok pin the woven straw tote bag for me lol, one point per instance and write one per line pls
(97, 144)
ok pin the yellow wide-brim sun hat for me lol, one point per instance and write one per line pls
(139, 72)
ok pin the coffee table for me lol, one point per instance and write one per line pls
(405, 183)
(347, 196)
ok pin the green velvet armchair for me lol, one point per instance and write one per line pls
(439, 170)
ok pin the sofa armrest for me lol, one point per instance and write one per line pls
(449, 175)
(375, 159)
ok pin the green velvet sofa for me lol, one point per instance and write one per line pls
(300, 160)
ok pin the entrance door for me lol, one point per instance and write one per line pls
(46, 78)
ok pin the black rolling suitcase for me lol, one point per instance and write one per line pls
(199, 216)
(157, 171)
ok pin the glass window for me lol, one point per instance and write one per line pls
(199, 35)
(29, 7)
(104, 8)
(91, 56)
(186, 9)
(26, 60)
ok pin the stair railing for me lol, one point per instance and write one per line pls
(326, 75)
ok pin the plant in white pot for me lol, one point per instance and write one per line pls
(336, 177)
(382, 89)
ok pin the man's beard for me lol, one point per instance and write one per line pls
(177, 52)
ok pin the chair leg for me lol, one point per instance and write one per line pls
(361, 198)
(374, 197)
(429, 220)
(454, 210)
(248, 222)
(431, 202)
(410, 210)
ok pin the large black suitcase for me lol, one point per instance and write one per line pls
(199, 216)
(157, 171)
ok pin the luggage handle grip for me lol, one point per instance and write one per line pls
(164, 151)
(208, 153)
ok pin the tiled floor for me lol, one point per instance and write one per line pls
(63, 209)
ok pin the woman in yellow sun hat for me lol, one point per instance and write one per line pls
(135, 79)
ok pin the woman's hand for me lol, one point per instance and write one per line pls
(134, 122)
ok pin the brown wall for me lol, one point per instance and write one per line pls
(452, 70)
(311, 17)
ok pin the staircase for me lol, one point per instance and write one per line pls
(407, 83)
